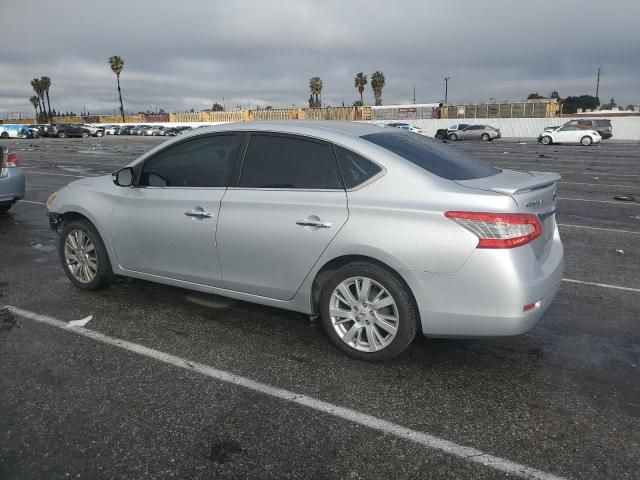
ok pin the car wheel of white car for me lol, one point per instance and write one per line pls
(368, 312)
(4, 134)
(99, 134)
(586, 140)
(453, 137)
(83, 255)
(546, 140)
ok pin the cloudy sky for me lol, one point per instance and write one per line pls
(188, 54)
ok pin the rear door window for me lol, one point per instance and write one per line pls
(441, 159)
(289, 162)
(355, 169)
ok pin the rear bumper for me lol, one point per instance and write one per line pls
(487, 295)
(12, 185)
(605, 135)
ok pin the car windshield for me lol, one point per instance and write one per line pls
(441, 159)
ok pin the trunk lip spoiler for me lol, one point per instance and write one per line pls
(537, 181)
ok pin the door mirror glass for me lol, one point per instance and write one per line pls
(123, 177)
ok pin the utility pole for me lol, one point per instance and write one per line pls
(414, 93)
(446, 88)
(598, 83)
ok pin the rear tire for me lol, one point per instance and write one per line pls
(453, 137)
(4, 135)
(61, 135)
(586, 140)
(5, 207)
(485, 137)
(360, 329)
(546, 140)
(99, 134)
(85, 262)
(440, 136)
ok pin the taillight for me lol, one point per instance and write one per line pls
(499, 230)
(12, 159)
(9, 159)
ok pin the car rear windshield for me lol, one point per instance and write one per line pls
(441, 159)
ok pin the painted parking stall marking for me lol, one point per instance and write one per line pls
(465, 453)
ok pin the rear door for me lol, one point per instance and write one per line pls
(287, 205)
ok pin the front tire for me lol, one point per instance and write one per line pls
(99, 134)
(453, 137)
(4, 135)
(85, 134)
(83, 255)
(5, 207)
(368, 312)
(586, 140)
(546, 140)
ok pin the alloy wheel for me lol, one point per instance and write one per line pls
(364, 314)
(80, 256)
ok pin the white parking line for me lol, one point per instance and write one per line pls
(598, 228)
(598, 184)
(35, 203)
(58, 174)
(603, 285)
(430, 441)
(615, 202)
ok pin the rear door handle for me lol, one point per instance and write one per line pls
(313, 223)
(198, 214)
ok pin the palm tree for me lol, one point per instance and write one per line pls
(377, 84)
(117, 65)
(315, 87)
(36, 84)
(360, 81)
(35, 102)
(46, 85)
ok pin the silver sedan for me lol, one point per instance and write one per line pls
(381, 233)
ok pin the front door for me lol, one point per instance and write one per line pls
(288, 205)
(166, 224)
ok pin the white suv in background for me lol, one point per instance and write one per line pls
(569, 133)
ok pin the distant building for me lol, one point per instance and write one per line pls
(538, 108)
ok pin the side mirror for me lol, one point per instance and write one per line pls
(123, 177)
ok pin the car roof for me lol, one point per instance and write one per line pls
(301, 127)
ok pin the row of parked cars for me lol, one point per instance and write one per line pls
(150, 130)
(583, 131)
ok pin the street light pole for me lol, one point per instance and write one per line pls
(446, 88)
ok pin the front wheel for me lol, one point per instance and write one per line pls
(4, 135)
(586, 140)
(546, 140)
(84, 256)
(368, 312)
(453, 137)
(5, 207)
(99, 134)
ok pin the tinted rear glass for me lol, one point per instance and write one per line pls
(289, 162)
(441, 159)
(355, 168)
(603, 123)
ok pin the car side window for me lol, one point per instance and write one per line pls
(201, 162)
(569, 128)
(278, 161)
(355, 168)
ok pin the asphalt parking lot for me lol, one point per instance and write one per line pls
(561, 401)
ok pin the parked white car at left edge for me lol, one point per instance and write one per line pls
(569, 134)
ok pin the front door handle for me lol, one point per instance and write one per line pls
(313, 223)
(198, 214)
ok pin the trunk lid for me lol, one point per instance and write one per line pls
(533, 192)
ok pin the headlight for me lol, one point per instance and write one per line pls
(50, 200)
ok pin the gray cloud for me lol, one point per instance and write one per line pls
(183, 55)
